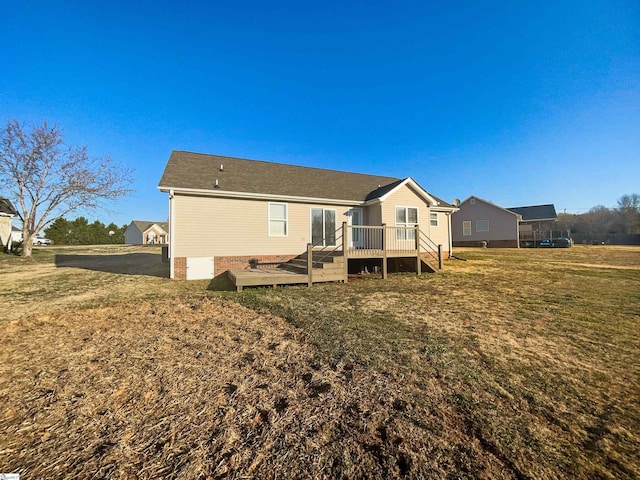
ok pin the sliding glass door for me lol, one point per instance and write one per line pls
(323, 227)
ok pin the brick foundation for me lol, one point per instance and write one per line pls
(180, 268)
(222, 264)
(490, 243)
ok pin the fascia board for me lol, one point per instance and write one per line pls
(258, 196)
(409, 181)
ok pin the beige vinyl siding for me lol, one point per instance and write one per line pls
(373, 215)
(5, 231)
(405, 197)
(408, 197)
(213, 226)
(440, 234)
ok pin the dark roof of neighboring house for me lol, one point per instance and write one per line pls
(7, 207)
(536, 212)
(145, 224)
(487, 202)
(200, 171)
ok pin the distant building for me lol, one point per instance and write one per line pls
(537, 220)
(143, 232)
(480, 222)
(7, 212)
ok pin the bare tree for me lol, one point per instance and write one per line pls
(629, 212)
(49, 178)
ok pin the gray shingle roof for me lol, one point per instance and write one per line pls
(200, 171)
(145, 224)
(7, 207)
(536, 212)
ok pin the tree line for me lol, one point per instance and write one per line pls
(623, 219)
(80, 232)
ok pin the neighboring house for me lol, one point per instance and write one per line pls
(479, 221)
(7, 212)
(537, 223)
(141, 232)
(226, 211)
(16, 234)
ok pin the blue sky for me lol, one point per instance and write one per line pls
(519, 103)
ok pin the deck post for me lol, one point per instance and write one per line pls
(309, 264)
(418, 265)
(345, 250)
(439, 257)
(384, 250)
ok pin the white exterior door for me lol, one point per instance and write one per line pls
(355, 220)
(199, 268)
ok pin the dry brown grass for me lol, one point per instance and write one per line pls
(515, 364)
(63, 277)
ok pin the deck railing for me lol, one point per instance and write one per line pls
(375, 241)
(378, 241)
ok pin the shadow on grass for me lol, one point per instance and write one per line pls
(149, 264)
(221, 283)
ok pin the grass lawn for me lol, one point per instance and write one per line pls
(513, 364)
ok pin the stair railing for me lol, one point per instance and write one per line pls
(323, 253)
(431, 248)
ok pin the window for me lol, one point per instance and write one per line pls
(406, 217)
(466, 228)
(433, 219)
(472, 202)
(278, 219)
(482, 225)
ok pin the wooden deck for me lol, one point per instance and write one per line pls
(330, 263)
(253, 277)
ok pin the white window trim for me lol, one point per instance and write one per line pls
(433, 216)
(408, 224)
(466, 232)
(478, 229)
(286, 219)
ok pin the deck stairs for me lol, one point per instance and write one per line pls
(327, 266)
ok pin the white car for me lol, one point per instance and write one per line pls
(41, 241)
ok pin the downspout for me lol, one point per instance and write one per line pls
(172, 232)
(450, 236)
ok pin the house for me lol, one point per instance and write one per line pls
(480, 222)
(225, 212)
(143, 232)
(16, 234)
(7, 212)
(538, 222)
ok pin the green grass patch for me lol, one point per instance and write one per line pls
(530, 348)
